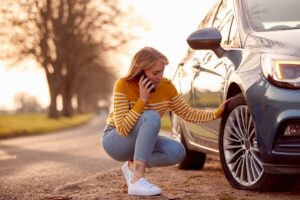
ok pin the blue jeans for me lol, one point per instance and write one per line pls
(143, 143)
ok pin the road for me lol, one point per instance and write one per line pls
(39, 164)
(71, 164)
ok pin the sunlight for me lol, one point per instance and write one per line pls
(6, 156)
(170, 24)
(25, 78)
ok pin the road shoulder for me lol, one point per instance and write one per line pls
(205, 184)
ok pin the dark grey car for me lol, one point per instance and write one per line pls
(250, 54)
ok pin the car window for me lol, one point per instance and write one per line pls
(226, 23)
(272, 15)
(233, 40)
(224, 28)
(223, 22)
(221, 14)
(208, 20)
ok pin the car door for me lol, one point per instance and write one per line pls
(185, 72)
(185, 77)
(209, 79)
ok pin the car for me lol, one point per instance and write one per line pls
(246, 52)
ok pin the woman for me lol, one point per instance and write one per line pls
(131, 134)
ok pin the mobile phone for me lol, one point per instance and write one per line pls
(140, 75)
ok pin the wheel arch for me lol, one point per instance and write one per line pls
(233, 90)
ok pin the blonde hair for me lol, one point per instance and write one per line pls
(144, 59)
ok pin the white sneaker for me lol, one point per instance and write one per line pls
(143, 187)
(127, 173)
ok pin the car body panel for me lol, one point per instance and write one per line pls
(209, 81)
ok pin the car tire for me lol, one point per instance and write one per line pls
(239, 152)
(193, 159)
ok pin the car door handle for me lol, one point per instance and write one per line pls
(197, 67)
(202, 69)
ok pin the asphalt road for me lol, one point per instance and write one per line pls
(41, 163)
(71, 164)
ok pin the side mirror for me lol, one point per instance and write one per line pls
(206, 38)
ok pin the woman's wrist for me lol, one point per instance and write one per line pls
(218, 113)
(143, 99)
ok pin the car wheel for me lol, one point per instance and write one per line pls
(193, 159)
(239, 153)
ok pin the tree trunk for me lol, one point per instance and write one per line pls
(80, 105)
(67, 101)
(67, 106)
(53, 112)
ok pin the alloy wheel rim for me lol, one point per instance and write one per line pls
(240, 147)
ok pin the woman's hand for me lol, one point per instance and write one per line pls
(145, 86)
(221, 108)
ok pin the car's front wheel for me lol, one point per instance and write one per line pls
(239, 153)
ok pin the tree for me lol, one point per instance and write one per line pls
(66, 37)
(27, 103)
(88, 88)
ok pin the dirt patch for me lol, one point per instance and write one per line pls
(206, 184)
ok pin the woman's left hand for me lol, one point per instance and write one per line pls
(219, 112)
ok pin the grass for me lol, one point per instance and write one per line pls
(28, 124)
(166, 122)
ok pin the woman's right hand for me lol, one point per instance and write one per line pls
(145, 87)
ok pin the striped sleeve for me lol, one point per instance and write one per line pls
(124, 117)
(183, 110)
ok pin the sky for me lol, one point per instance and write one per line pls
(171, 22)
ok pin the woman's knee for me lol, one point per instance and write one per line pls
(176, 154)
(179, 152)
(151, 115)
(117, 149)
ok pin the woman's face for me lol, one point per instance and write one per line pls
(155, 72)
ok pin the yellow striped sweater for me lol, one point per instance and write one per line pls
(128, 107)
